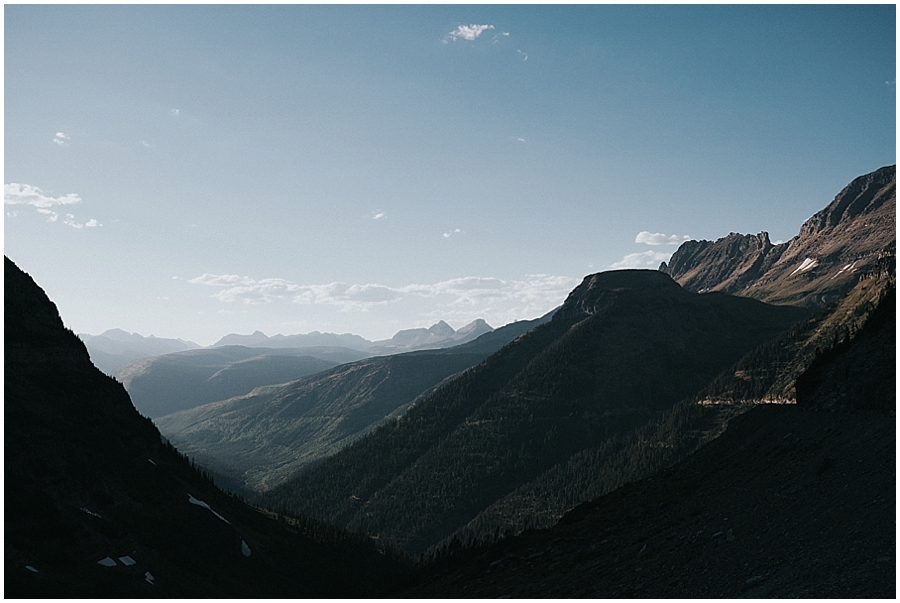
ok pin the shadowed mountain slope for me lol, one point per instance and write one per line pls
(96, 505)
(817, 267)
(624, 348)
(173, 382)
(258, 440)
(792, 501)
(114, 348)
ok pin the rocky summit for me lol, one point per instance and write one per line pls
(854, 235)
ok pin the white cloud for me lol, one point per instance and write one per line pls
(450, 233)
(466, 297)
(467, 32)
(218, 280)
(524, 55)
(174, 112)
(61, 138)
(647, 259)
(144, 144)
(25, 194)
(378, 215)
(658, 238)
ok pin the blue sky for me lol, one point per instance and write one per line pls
(191, 171)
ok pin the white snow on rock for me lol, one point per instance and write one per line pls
(149, 578)
(200, 503)
(850, 267)
(89, 512)
(126, 560)
(245, 549)
(807, 264)
(151, 461)
(30, 568)
(107, 561)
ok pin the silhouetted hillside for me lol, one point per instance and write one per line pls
(257, 441)
(96, 505)
(792, 501)
(623, 350)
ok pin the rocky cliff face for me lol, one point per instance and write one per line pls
(852, 236)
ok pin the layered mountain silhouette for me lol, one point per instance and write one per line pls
(97, 505)
(258, 440)
(438, 335)
(625, 347)
(170, 383)
(114, 348)
(608, 391)
(848, 238)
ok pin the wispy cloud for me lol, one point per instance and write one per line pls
(467, 297)
(467, 32)
(61, 139)
(658, 238)
(647, 259)
(25, 194)
(451, 233)
(378, 215)
(28, 195)
(524, 55)
(174, 112)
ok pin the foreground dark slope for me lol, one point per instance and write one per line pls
(625, 348)
(791, 501)
(88, 479)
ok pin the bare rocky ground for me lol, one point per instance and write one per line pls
(789, 502)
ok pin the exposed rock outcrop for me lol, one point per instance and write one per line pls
(834, 249)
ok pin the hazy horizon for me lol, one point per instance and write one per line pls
(195, 171)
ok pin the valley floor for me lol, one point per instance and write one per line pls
(789, 502)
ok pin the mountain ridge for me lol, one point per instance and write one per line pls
(816, 267)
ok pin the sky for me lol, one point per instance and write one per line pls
(194, 171)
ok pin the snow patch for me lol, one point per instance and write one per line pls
(107, 562)
(151, 461)
(89, 512)
(31, 569)
(200, 503)
(807, 264)
(847, 268)
(126, 560)
(245, 549)
(149, 578)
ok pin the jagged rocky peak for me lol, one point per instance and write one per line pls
(733, 246)
(833, 250)
(441, 329)
(864, 195)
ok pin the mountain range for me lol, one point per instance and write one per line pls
(525, 435)
(114, 348)
(257, 440)
(846, 239)
(724, 426)
(438, 335)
